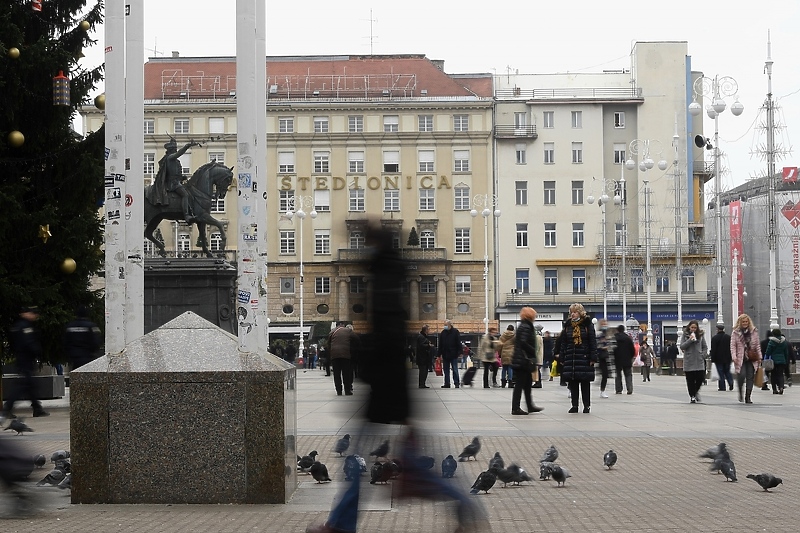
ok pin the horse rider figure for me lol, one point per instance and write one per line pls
(170, 178)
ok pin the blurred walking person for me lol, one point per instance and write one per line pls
(423, 356)
(24, 340)
(81, 339)
(527, 355)
(721, 357)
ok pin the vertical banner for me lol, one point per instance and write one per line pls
(788, 221)
(737, 250)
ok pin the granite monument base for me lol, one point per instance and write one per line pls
(182, 416)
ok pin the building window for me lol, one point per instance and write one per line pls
(287, 285)
(216, 125)
(637, 280)
(285, 124)
(184, 243)
(662, 281)
(460, 122)
(426, 123)
(149, 163)
(549, 153)
(181, 125)
(391, 123)
(461, 198)
(215, 242)
(619, 153)
(520, 120)
(287, 241)
(322, 285)
(149, 126)
(425, 160)
(549, 193)
(612, 280)
(322, 242)
(461, 161)
(687, 280)
(522, 281)
(619, 234)
(621, 190)
(522, 235)
(577, 152)
(551, 281)
(322, 200)
(357, 240)
(427, 239)
(427, 285)
(521, 192)
(577, 235)
(355, 123)
(463, 284)
(218, 205)
(149, 248)
(548, 119)
(216, 157)
(285, 201)
(521, 153)
(579, 281)
(462, 241)
(396, 246)
(619, 119)
(577, 119)
(391, 200)
(550, 235)
(391, 161)
(320, 124)
(357, 285)
(356, 200)
(285, 162)
(355, 162)
(322, 162)
(577, 192)
(427, 200)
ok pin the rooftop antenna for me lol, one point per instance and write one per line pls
(155, 51)
(372, 36)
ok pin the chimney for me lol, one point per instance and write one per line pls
(175, 53)
(438, 63)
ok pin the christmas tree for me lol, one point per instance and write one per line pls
(51, 179)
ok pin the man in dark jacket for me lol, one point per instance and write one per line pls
(450, 350)
(423, 356)
(81, 339)
(671, 357)
(623, 360)
(721, 357)
(27, 349)
(527, 354)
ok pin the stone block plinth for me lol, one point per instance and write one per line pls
(182, 416)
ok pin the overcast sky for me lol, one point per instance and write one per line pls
(724, 38)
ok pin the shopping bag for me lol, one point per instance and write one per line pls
(714, 374)
(554, 370)
(535, 375)
(759, 379)
(638, 361)
(437, 366)
(469, 362)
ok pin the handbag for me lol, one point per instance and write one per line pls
(752, 354)
(768, 365)
(437, 366)
(758, 380)
(638, 361)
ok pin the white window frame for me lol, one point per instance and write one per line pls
(619, 119)
(522, 280)
(550, 235)
(522, 234)
(356, 200)
(356, 240)
(322, 242)
(218, 204)
(184, 243)
(322, 162)
(548, 119)
(549, 190)
(551, 281)
(149, 161)
(322, 200)
(355, 161)
(688, 280)
(579, 281)
(521, 192)
(462, 243)
(426, 160)
(463, 284)
(286, 162)
(425, 123)
(427, 239)
(355, 123)
(461, 122)
(181, 125)
(391, 161)
(217, 156)
(427, 199)
(461, 160)
(285, 124)
(549, 153)
(520, 153)
(215, 241)
(321, 124)
(577, 119)
(577, 192)
(520, 120)
(637, 280)
(286, 201)
(322, 285)
(391, 123)
(619, 153)
(461, 198)
(391, 200)
(578, 235)
(577, 153)
(287, 242)
(149, 126)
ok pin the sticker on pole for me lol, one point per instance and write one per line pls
(243, 297)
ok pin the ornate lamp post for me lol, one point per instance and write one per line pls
(602, 201)
(487, 202)
(718, 88)
(300, 202)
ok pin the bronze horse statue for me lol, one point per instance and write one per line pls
(208, 182)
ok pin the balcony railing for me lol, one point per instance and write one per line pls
(229, 255)
(409, 254)
(638, 251)
(612, 298)
(509, 131)
(598, 93)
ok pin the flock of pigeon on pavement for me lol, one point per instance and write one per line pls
(383, 469)
(61, 475)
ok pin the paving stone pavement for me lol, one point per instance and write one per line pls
(658, 484)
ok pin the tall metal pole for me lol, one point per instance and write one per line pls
(647, 275)
(735, 284)
(623, 239)
(603, 201)
(718, 211)
(676, 176)
(302, 216)
(486, 213)
(772, 237)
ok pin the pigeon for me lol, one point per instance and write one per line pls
(305, 462)
(18, 425)
(424, 462)
(380, 473)
(319, 472)
(610, 459)
(560, 475)
(394, 468)
(504, 475)
(470, 450)
(484, 482)
(55, 477)
(550, 455)
(767, 481)
(381, 450)
(716, 464)
(65, 465)
(59, 455)
(449, 466)
(351, 468)
(546, 469)
(66, 483)
(497, 460)
(520, 474)
(39, 460)
(729, 470)
(714, 451)
(342, 445)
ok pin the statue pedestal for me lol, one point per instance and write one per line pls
(181, 416)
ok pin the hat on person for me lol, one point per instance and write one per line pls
(720, 327)
(29, 309)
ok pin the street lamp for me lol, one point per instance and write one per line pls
(300, 202)
(487, 201)
(642, 148)
(601, 203)
(718, 88)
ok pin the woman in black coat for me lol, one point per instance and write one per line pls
(576, 348)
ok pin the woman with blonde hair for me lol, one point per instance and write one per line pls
(746, 354)
(576, 349)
